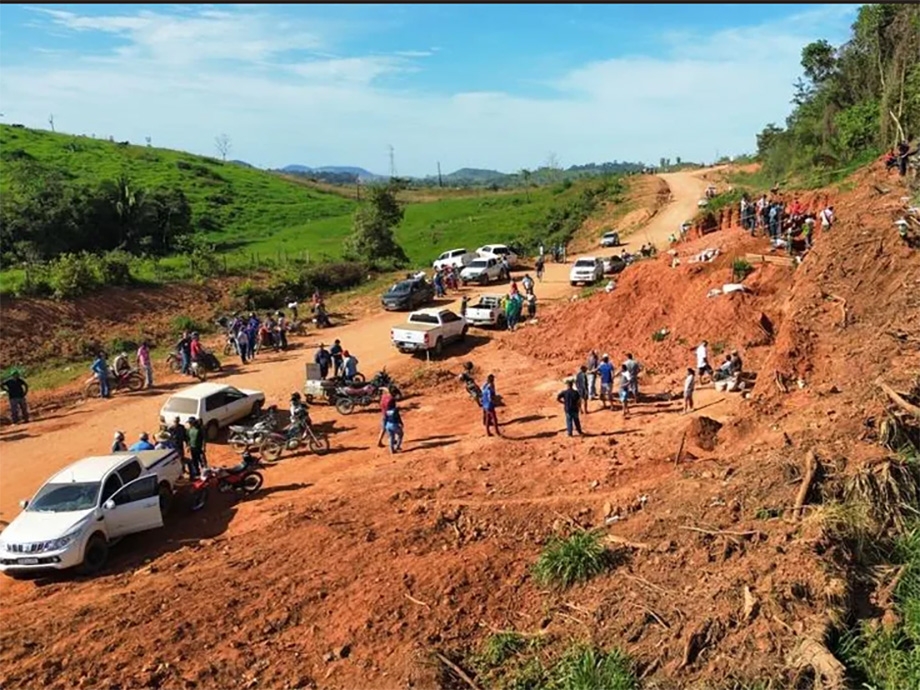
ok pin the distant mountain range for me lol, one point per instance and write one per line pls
(467, 177)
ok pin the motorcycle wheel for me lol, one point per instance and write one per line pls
(271, 449)
(359, 378)
(92, 390)
(134, 381)
(239, 443)
(175, 366)
(319, 443)
(345, 405)
(215, 364)
(249, 484)
(199, 499)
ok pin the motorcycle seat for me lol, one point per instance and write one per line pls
(238, 428)
(363, 390)
(236, 469)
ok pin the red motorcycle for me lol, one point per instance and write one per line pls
(242, 480)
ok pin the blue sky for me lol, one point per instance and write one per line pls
(492, 86)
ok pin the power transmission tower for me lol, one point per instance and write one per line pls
(392, 162)
(440, 181)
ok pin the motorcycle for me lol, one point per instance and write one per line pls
(231, 347)
(244, 438)
(347, 397)
(207, 361)
(291, 439)
(132, 380)
(241, 480)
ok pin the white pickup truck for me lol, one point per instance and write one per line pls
(80, 511)
(429, 329)
(486, 312)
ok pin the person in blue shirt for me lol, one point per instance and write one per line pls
(394, 426)
(100, 369)
(350, 366)
(605, 371)
(143, 443)
(323, 359)
(488, 406)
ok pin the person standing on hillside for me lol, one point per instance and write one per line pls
(581, 386)
(633, 367)
(394, 426)
(323, 359)
(689, 385)
(702, 359)
(540, 267)
(489, 417)
(625, 387)
(591, 366)
(571, 402)
(242, 344)
(827, 218)
(17, 390)
(144, 364)
(605, 371)
(385, 398)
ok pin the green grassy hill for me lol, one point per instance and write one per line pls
(256, 217)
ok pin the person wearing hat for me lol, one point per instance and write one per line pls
(17, 389)
(118, 444)
(164, 441)
(323, 359)
(571, 402)
(143, 443)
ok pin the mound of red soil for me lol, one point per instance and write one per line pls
(703, 432)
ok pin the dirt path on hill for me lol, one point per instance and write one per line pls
(30, 454)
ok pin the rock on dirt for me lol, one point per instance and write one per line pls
(703, 432)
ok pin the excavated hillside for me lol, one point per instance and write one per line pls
(365, 570)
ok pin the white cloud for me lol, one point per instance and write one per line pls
(709, 92)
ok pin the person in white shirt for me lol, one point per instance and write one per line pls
(827, 218)
(702, 359)
(689, 385)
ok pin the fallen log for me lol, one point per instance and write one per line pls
(898, 399)
(811, 652)
(622, 541)
(811, 468)
(461, 674)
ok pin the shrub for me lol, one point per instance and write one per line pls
(576, 558)
(501, 646)
(589, 668)
(338, 275)
(741, 269)
(187, 323)
(203, 262)
(659, 335)
(72, 275)
(115, 268)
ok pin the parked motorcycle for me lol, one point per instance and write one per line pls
(207, 361)
(347, 397)
(132, 380)
(231, 347)
(291, 439)
(242, 480)
(243, 438)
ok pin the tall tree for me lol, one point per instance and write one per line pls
(373, 239)
(223, 145)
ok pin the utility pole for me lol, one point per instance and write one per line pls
(440, 181)
(51, 121)
(392, 162)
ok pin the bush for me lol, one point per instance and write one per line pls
(741, 269)
(577, 558)
(338, 275)
(187, 323)
(589, 668)
(72, 275)
(115, 268)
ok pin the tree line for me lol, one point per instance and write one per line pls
(853, 100)
(43, 215)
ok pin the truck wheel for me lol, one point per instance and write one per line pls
(212, 430)
(574, 284)
(438, 347)
(95, 555)
(166, 499)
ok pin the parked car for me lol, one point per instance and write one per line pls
(216, 405)
(497, 251)
(610, 239)
(486, 312)
(458, 258)
(429, 329)
(614, 264)
(483, 270)
(588, 269)
(411, 293)
(80, 511)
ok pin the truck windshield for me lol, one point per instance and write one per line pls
(400, 288)
(424, 318)
(182, 405)
(584, 263)
(479, 263)
(64, 498)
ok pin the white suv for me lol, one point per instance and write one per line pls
(588, 269)
(458, 258)
(216, 405)
(497, 251)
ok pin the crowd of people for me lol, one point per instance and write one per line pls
(340, 361)
(176, 437)
(783, 223)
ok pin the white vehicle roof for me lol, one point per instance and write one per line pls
(91, 469)
(611, 232)
(592, 259)
(429, 310)
(491, 247)
(203, 390)
(454, 251)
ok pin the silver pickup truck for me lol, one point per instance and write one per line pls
(486, 312)
(429, 329)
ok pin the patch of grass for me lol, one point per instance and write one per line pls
(741, 269)
(659, 335)
(766, 513)
(718, 348)
(501, 646)
(888, 658)
(589, 668)
(576, 558)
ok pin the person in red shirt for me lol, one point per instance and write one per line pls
(384, 402)
(195, 347)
